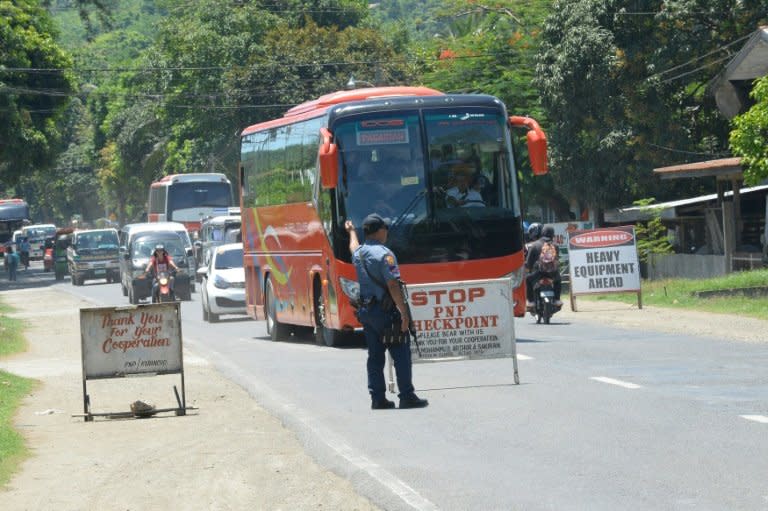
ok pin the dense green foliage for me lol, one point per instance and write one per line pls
(749, 139)
(620, 86)
(624, 84)
(28, 131)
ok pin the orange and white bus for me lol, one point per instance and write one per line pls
(440, 166)
(189, 198)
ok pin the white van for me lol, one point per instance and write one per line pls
(129, 232)
(36, 235)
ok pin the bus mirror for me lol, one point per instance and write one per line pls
(329, 160)
(537, 143)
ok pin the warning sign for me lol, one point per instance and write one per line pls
(604, 261)
(457, 320)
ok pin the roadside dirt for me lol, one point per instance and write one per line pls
(229, 454)
(677, 321)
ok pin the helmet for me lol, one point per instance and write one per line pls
(534, 231)
(159, 247)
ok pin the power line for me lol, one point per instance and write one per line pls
(667, 80)
(251, 67)
(702, 56)
(680, 151)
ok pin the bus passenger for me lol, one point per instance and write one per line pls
(382, 309)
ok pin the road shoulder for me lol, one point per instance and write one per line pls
(228, 454)
(728, 327)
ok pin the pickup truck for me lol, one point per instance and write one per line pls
(93, 254)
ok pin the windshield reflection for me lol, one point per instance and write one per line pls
(450, 197)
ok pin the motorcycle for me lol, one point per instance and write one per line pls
(164, 293)
(544, 300)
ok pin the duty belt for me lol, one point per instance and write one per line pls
(370, 300)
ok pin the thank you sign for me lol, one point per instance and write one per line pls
(133, 340)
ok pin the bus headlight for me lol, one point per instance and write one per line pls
(516, 276)
(351, 288)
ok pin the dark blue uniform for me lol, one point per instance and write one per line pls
(382, 265)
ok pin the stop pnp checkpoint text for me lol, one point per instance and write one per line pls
(449, 308)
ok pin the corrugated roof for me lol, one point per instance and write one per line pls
(723, 166)
(634, 213)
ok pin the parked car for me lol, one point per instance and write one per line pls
(223, 285)
(134, 261)
(215, 231)
(93, 254)
(128, 232)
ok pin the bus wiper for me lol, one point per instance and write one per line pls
(408, 208)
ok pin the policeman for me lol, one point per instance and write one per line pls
(382, 308)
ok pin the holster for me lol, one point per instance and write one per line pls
(391, 334)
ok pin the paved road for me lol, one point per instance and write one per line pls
(604, 418)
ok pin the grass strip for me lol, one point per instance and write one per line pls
(11, 338)
(680, 293)
(12, 448)
(12, 390)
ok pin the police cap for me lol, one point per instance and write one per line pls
(374, 222)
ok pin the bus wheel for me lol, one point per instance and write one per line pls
(323, 334)
(276, 330)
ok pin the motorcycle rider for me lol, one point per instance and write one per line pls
(532, 234)
(161, 261)
(532, 267)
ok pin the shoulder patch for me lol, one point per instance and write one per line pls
(390, 259)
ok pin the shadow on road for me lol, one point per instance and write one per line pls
(485, 386)
(32, 278)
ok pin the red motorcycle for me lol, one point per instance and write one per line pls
(163, 293)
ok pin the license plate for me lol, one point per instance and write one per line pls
(100, 272)
(547, 293)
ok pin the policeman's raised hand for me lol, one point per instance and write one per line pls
(349, 226)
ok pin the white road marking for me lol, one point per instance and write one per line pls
(611, 381)
(757, 418)
(520, 356)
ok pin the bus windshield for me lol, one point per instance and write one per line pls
(184, 199)
(13, 212)
(445, 178)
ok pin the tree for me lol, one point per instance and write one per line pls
(651, 235)
(28, 112)
(749, 138)
(490, 48)
(626, 85)
(578, 73)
